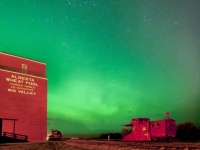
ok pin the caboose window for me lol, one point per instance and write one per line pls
(152, 125)
(140, 120)
(158, 124)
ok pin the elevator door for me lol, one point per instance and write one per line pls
(1, 122)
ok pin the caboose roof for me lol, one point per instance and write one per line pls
(135, 120)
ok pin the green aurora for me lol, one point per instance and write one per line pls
(109, 60)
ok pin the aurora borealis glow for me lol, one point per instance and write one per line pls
(109, 60)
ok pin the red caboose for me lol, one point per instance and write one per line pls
(139, 130)
(142, 129)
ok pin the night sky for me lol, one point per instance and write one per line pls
(109, 61)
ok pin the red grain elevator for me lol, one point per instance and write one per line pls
(23, 97)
